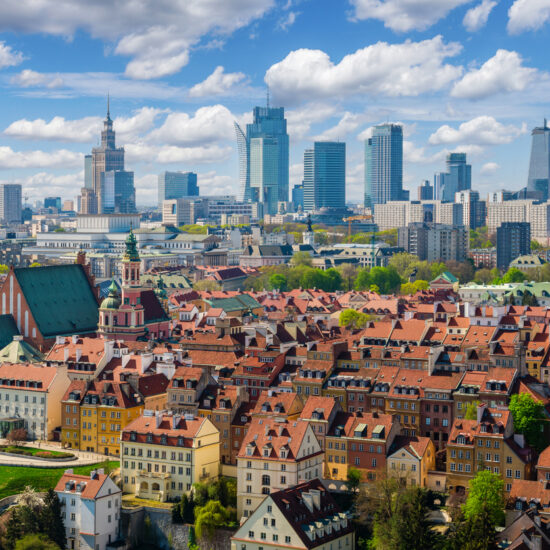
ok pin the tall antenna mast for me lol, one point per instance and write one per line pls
(108, 106)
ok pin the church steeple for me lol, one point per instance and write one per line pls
(131, 262)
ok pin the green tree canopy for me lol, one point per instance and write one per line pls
(207, 284)
(528, 415)
(278, 281)
(486, 495)
(301, 258)
(36, 542)
(209, 517)
(354, 479)
(514, 275)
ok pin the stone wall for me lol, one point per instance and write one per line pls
(145, 525)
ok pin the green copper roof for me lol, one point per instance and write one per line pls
(60, 299)
(236, 303)
(19, 351)
(131, 252)
(8, 329)
(112, 301)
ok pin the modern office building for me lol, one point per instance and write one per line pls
(10, 203)
(513, 240)
(539, 164)
(325, 176)
(474, 211)
(384, 165)
(257, 156)
(53, 202)
(434, 242)
(88, 172)
(177, 185)
(298, 196)
(458, 177)
(425, 191)
(118, 191)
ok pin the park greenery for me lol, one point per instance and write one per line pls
(390, 515)
(35, 519)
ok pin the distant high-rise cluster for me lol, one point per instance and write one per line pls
(539, 165)
(108, 188)
(176, 185)
(458, 177)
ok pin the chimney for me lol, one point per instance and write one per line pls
(158, 418)
(65, 354)
(92, 474)
(480, 410)
(175, 421)
(60, 340)
(75, 338)
(78, 354)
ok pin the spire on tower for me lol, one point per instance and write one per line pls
(108, 107)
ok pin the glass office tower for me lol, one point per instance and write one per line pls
(539, 164)
(384, 165)
(177, 185)
(325, 176)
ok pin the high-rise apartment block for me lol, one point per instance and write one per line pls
(88, 172)
(10, 203)
(402, 213)
(177, 185)
(458, 177)
(325, 176)
(118, 192)
(425, 191)
(384, 165)
(513, 240)
(539, 164)
(434, 242)
(474, 211)
(263, 158)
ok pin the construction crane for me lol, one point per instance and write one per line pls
(363, 217)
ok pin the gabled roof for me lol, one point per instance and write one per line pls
(90, 485)
(8, 329)
(60, 298)
(20, 352)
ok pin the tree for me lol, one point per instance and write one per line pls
(301, 258)
(483, 276)
(354, 479)
(35, 542)
(17, 436)
(528, 415)
(200, 494)
(4, 268)
(207, 284)
(475, 533)
(403, 263)
(463, 271)
(362, 281)
(209, 517)
(486, 496)
(278, 281)
(514, 275)
(52, 519)
(413, 288)
(471, 410)
(35, 264)
(348, 272)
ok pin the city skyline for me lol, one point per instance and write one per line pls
(472, 79)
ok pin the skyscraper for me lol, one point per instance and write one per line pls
(264, 172)
(539, 165)
(384, 165)
(105, 158)
(298, 196)
(269, 123)
(10, 203)
(513, 240)
(325, 175)
(176, 185)
(118, 192)
(88, 172)
(458, 177)
(425, 191)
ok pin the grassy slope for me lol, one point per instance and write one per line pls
(13, 479)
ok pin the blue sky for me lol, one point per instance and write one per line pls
(460, 75)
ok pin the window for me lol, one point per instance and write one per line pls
(287, 539)
(518, 474)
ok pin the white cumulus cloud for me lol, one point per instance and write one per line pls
(8, 56)
(405, 69)
(38, 159)
(218, 83)
(504, 72)
(207, 125)
(405, 15)
(528, 15)
(476, 17)
(157, 35)
(489, 168)
(482, 130)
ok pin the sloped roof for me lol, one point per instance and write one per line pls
(18, 351)
(8, 329)
(60, 299)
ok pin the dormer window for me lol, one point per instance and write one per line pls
(149, 438)
(180, 441)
